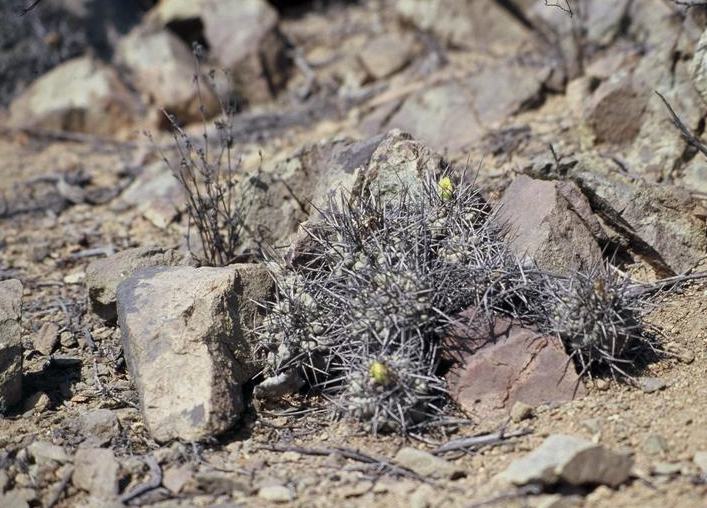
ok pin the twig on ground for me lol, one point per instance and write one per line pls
(476, 442)
(348, 453)
(687, 134)
(154, 480)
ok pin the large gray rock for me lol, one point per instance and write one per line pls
(517, 365)
(659, 223)
(552, 223)
(104, 275)
(169, 85)
(187, 346)
(82, 95)
(245, 40)
(570, 460)
(10, 343)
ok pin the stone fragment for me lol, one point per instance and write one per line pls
(386, 54)
(99, 426)
(655, 444)
(245, 40)
(104, 275)
(276, 494)
(47, 338)
(651, 384)
(176, 477)
(700, 460)
(460, 23)
(36, 403)
(156, 193)
(699, 67)
(497, 365)
(43, 452)
(169, 85)
(186, 343)
(615, 111)
(442, 116)
(550, 222)
(96, 471)
(521, 411)
(81, 95)
(427, 465)
(13, 499)
(10, 344)
(569, 460)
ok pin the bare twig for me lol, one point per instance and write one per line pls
(348, 453)
(687, 134)
(153, 481)
(475, 442)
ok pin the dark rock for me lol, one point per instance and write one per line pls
(615, 112)
(499, 364)
(104, 275)
(10, 344)
(187, 346)
(552, 223)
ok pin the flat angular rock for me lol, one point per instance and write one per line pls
(104, 275)
(570, 460)
(427, 465)
(186, 343)
(156, 193)
(386, 54)
(615, 111)
(244, 38)
(10, 343)
(551, 222)
(99, 426)
(497, 365)
(81, 95)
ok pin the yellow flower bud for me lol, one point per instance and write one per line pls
(446, 188)
(380, 373)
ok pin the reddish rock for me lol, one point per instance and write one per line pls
(615, 112)
(499, 364)
(552, 223)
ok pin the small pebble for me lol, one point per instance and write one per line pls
(521, 411)
(276, 494)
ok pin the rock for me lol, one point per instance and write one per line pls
(521, 411)
(169, 85)
(442, 116)
(276, 494)
(165, 313)
(286, 190)
(156, 193)
(104, 275)
(10, 344)
(569, 460)
(552, 223)
(651, 384)
(460, 23)
(176, 477)
(36, 403)
(96, 471)
(655, 444)
(386, 54)
(43, 452)
(13, 499)
(666, 469)
(699, 67)
(658, 223)
(516, 365)
(505, 88)
(700, 460)
(168, 12)
(615, 111)
(244, 38)
(81, 95)
(99, 426)
(604, 20)
(427, 465)
(47, 338)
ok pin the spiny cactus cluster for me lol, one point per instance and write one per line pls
(362, 315)
(599, 315)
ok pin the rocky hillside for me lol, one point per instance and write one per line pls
(353, 253)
